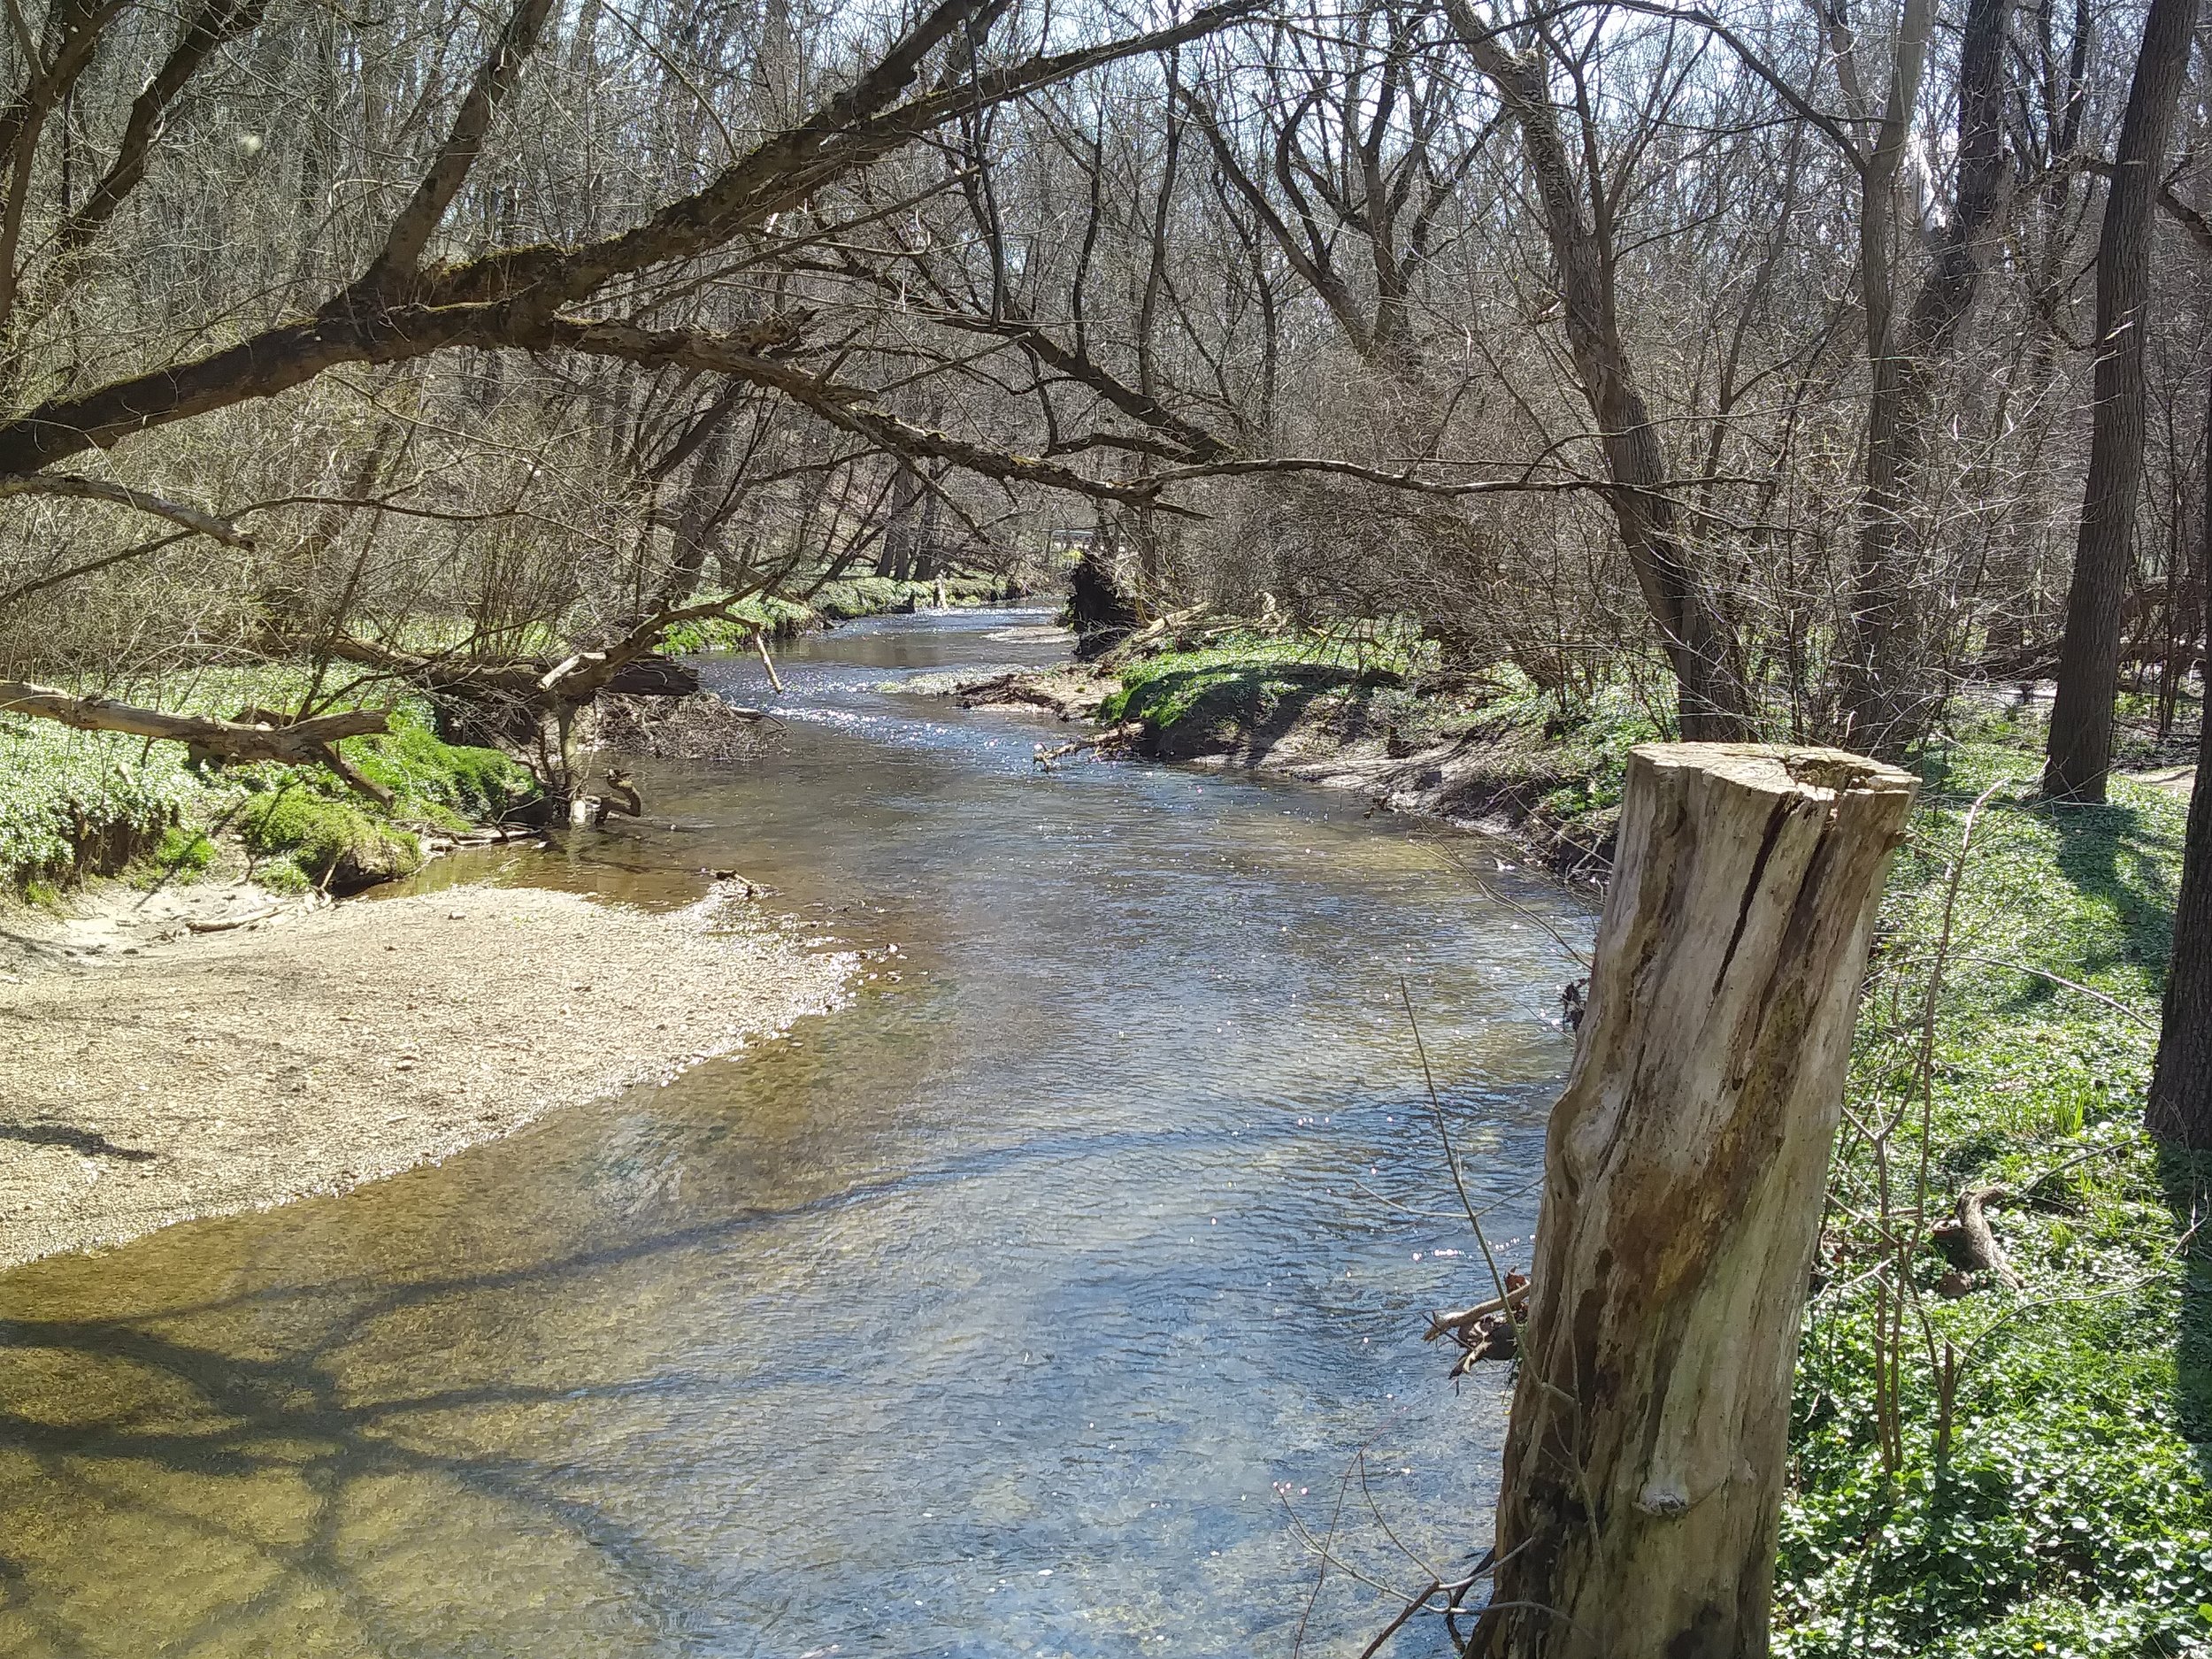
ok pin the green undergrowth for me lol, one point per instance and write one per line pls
(2058, 1504)
(74, 804)
(77, 803)
(304, 826)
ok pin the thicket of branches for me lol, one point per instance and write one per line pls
(473, 344)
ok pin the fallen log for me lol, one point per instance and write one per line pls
(1684, 1167)
(293, 742)
(226, 924)
(760, 644)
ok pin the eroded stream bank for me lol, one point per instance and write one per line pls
(992, 1315)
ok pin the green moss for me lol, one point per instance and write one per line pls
(185, 851)
(332, 836)
(763, 613)
(328, 842)
(283, 876)
(443, 784)
(73, 803)
(1249, 673)
(1561, 767)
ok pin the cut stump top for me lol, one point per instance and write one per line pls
(1801, 769)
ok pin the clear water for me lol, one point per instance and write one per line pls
(1016, 1308)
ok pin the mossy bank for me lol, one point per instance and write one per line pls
(75, 804)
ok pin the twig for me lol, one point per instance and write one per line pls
(2113, 1004)
(760, 644)
(1443, 1133)
(1397, 1624)
(1575, 953)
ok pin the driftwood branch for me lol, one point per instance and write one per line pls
(309, 742)
(1967, 1238)
(760, 644)
(1458, 1324)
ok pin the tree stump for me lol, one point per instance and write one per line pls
(1684, 1173)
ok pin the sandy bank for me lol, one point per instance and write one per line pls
(213, 1072)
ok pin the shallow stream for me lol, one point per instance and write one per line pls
(1031, 1304)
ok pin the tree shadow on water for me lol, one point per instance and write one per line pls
(182, 1426)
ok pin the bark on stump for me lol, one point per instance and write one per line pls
(1682, 1188)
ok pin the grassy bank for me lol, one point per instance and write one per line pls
(1980, 1469)
(74, 804)
(2009, 1471)
(833, 602)
(1490, 746)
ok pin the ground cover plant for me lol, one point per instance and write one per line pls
(81, 803)
(2009, 1462)
(1979, 1467)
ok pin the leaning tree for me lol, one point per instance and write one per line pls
(695, 306)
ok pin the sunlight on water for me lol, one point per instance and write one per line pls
(998, 1314)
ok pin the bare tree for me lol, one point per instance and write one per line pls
(1578, 220)
(2080, 754)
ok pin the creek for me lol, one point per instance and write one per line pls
(1028, 1305)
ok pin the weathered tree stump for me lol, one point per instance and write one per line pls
(1682, 1188)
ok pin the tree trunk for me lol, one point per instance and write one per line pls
(1890, 694)
(2089, 662)
(1699, 645)
(1683, 1190)
(2181, 1086)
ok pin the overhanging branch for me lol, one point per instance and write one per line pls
(307, 742)
(193, 518)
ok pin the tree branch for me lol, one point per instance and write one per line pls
(303, 743)
(477, 302)
(442, 181)
(192, 519)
